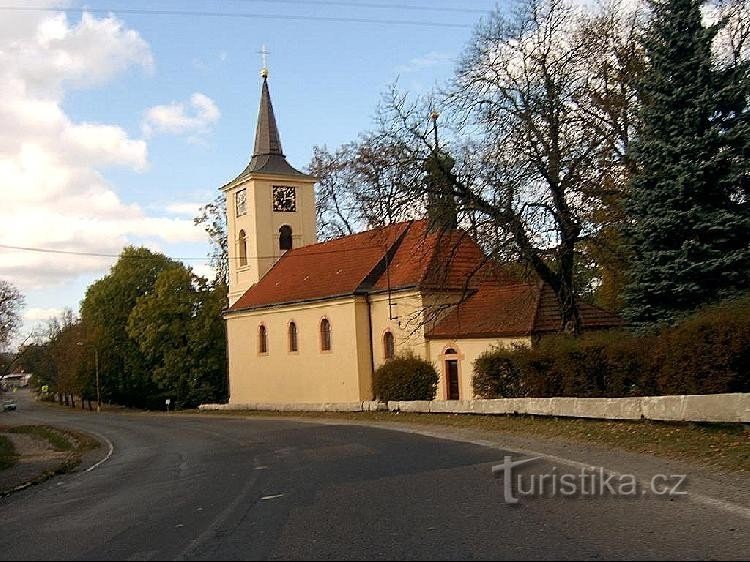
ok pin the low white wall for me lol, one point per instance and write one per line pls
(725, 408)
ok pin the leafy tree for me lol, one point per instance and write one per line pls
(68, 354)
(213, 218)
(37, 360)
(125, 373)
(179, 329)
(688, 195)
(11, 303)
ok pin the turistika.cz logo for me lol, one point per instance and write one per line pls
(588, 481)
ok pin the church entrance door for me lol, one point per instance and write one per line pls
(451, 370)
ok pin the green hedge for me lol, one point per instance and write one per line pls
(706, 353)
(405, 378)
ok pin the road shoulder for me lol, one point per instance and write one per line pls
(44, 451)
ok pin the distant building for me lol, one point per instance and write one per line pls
(15, 380)
(310, 322)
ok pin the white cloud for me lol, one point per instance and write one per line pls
(42, 314)
(53, 193)
(187, 209)
(429, 60)
(193, 118)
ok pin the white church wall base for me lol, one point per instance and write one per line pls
(717, 408)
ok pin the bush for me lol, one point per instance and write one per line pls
(496, 375)
(405, 378)
(708, 352)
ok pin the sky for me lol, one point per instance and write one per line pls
(118, 125)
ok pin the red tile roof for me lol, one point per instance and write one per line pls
(408, 255)
(318, 271)
(399, 256)
(524, 309)
(445, 260)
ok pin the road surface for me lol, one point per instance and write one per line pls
(196, 487)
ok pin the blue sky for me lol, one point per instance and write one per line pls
(118, 125)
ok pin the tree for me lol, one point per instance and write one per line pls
(180, 330)
(365, 184)
(338, 213)
(125, 373)
(36, 358)
(69, 357)
(11, 303)
(535, 139)
(688, 195)
(442, 212)
(213, 218)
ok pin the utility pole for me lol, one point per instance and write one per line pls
(96, 367)
(98, 392)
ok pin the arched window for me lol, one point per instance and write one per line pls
(293, 337)
(262, 339)
(325, 335)
(389, 348)
(285, 238)
(242, 242)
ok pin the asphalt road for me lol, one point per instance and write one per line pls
(179, 487)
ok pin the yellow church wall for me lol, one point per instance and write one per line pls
(309, 374)
(468, 350)
(364, 355)
(414, 311)
(405, 323)
(240, 277)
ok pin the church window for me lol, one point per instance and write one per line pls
(389, 348)
(262, 339)
(325, 335)
(293, 346)
(242, 248)
(240, 202)
(285, 238)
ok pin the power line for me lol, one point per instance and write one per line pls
(197, 13)
(369, 5)
(104, 255)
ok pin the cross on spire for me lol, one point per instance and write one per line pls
(264, 58)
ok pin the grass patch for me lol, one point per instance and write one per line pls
(63, 453)
(725, 446)
(56, 438)
(8, 456)
(63, 441)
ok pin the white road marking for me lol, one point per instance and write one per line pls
(109, 453)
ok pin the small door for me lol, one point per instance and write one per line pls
(451, 370)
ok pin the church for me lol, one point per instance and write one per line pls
(310, 322)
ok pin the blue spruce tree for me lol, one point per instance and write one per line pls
(689, 216)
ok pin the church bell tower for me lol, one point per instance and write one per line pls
(270, 206)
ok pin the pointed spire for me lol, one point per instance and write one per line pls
(268, 158)
(267, 139)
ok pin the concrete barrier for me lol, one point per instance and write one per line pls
(416, 406)
(724, 408)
